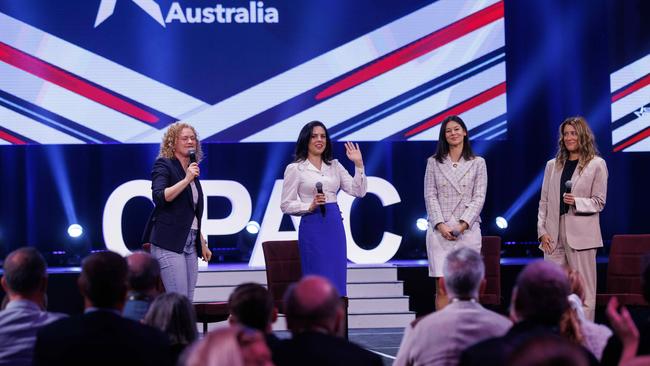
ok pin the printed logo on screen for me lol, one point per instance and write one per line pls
(642, 111)
(256, 12)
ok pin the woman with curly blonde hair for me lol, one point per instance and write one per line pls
(174, 227)
(573, 194)
(575, 327)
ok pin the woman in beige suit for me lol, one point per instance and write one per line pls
(455, 183)
(568, 222)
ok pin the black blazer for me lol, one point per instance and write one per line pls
(170, 222)
(317, 349)
(101, 338)
(497, 351)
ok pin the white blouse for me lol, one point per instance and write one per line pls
(299, 186)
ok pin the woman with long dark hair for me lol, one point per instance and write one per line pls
(455, 183)
(573, 194)
(309, 190)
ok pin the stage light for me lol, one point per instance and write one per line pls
(253, 227)
(75, 230)
(502, 223)
(422, 224)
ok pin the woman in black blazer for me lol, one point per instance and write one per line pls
(174, 227)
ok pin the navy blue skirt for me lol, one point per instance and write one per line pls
(322, 245)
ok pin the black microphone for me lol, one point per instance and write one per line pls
(319, 189)
(192, 156)
(567, 186)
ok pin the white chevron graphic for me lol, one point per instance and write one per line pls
(107, 7)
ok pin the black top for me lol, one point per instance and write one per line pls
(567, 173)
(316, 349)
(498, 350)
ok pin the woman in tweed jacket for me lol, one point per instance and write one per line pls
(455, 183)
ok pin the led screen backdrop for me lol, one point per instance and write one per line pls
(630, 87)
(88, 86)
(108, 71)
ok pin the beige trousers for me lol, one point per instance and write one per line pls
(582, 261)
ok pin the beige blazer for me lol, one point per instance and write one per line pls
(440, 337)
(583, 219)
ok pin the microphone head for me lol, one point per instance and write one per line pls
(568, 185)
(455, 233)
(192, 156)
(319, 186)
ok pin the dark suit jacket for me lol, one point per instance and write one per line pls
(170, 222)
(317, 349)
(100, 338)
(496, 351)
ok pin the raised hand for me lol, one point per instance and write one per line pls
(354, 154)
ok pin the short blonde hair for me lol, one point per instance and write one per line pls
(218, 348)
(169, 141)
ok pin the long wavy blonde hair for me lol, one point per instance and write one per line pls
(586, 142)
(570, 323)
(170, 137)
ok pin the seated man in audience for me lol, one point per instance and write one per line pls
(25, 282)
(612, 352)
(144, 282)
(101, 336)
(539, 299)
(314, 316)
(251, 305)
(439, 338)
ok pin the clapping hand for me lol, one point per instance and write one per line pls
(354, 154)
(624, 327)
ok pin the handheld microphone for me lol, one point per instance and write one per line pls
(319, 189)
(567, 186)
(192, 156)
(455, 233)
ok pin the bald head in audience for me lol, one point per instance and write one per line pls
(25, 276)
(144, 273)
(313, 304)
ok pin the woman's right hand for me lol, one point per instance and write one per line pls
(319, 199)
(192, 172)
(445, 231)
(545, 241)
